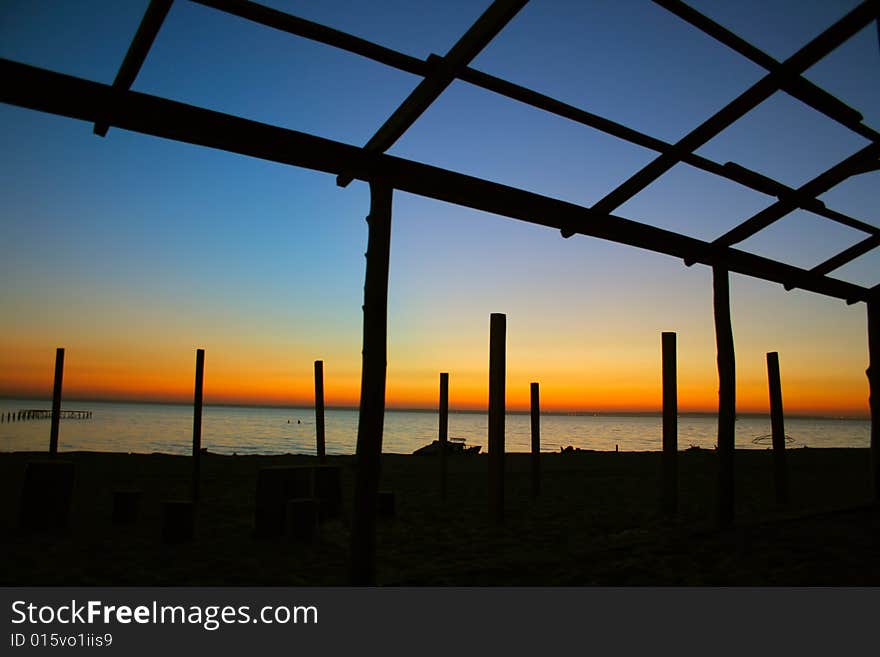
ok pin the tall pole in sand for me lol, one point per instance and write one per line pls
(372, 407)
(197, 423)
(726, 394)
(56, 401)
(536, 439)
(319, 408)
(497, 368)
(670, 424)
(777, 424)
(874, 387)
(443, 430)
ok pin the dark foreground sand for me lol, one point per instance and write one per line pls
(596, 522)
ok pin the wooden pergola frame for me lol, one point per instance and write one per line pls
(118, 106)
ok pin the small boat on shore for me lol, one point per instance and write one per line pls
(453, 446)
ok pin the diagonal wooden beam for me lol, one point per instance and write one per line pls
(137, 50)
(848, 255)
(319, 33)
(486, 27)
(818, 185)
(48, 91)
(307, 29)
(794, 85)
(815, 50)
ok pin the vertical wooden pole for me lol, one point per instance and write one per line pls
(726, 395)
(777, 424)
(372, 406)
(56, 401)
(670, 423)
(197, 423)
(497, 371)
(874, 387)
(443, 430)
(319, 409)
(536, 439)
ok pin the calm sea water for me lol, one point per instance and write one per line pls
(246, 430)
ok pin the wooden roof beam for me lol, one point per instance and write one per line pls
(317, 32)
(795, 85)
(811, 53)
(486, 27)
(137, 50)
(48, 91)
(848, 255)
(818, 185)
(307, 29)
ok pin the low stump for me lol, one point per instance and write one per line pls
(46, 495)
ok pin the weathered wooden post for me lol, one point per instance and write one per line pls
(56, 401)
(443, 430)
(197, 424)
(874, 388)
(726, 394)
(777, 424)
(319, 408)
(497, 368)
(372, 405)
(670, 423)
(536, 439)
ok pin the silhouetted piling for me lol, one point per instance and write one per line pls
(443, 430)
(126, 506)
(497, 371)
(874, 388)
(197, 424)
(372, 405)
(777, 424)
(536, 439)
(670, 424)
(319, 409)
(726, 394)
(178, 521)
(46, 495)
(56, 401)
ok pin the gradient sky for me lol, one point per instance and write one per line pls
(132, 251)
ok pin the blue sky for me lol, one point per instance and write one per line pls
(116, 244)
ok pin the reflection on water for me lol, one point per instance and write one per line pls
(246, 430)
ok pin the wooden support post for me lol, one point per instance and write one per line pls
(197, 424)
(777, 424)
(536, 440)
(319, 408)
(874, 385)
(726, 395)
(497, 368)
(443, 430)
(372, 405)
(670, 423)
(56, 401)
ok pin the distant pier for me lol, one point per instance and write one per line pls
(43, 414)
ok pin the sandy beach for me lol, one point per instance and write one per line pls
(596, 522)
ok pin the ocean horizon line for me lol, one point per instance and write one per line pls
(463, 411)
